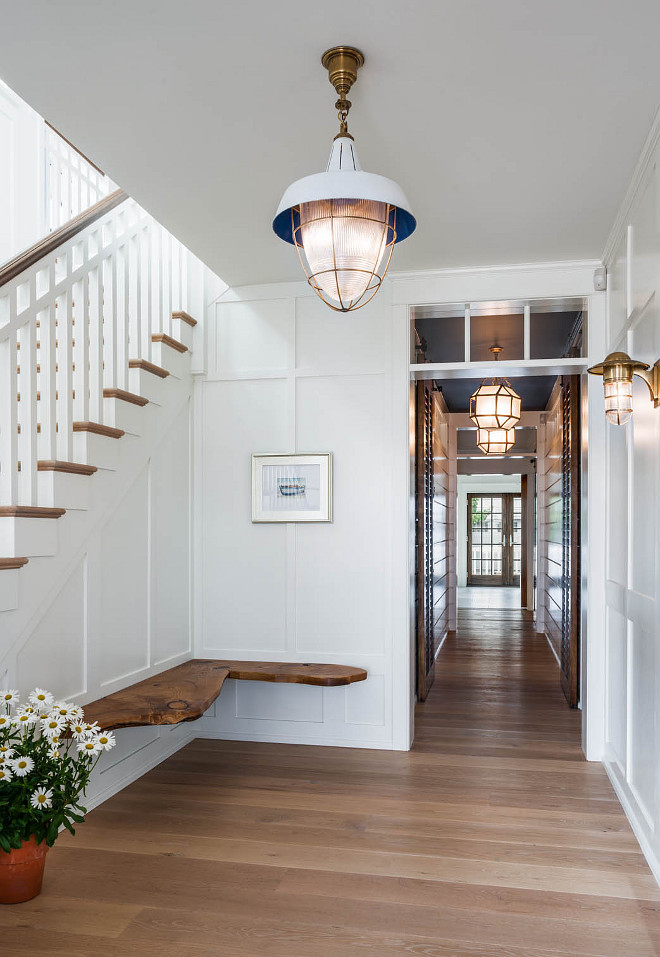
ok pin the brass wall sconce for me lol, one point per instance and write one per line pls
(617, 371)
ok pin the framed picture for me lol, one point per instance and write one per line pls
(292, 488)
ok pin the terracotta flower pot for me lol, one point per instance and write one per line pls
(22, 871)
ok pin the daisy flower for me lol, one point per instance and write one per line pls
(64, 708)
(52, 726)
(92, 728)
(5, 773)
(105, 740)
(54, 753)
(6, 752)
(21, 766)
(76, 714)
(10, 696)
(90, 747)
(40, 698)
(24, 719)
(78, 730)
(5, 721)
(41, 798)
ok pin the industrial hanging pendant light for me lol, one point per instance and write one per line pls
(495, 405)
(496, 441)
(344, 222)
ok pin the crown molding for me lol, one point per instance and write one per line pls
(559, 265)
(641, 168)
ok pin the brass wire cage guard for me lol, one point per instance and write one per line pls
(376, 275)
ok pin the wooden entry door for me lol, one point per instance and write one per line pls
(494, 539)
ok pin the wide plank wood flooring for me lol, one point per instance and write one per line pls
(491, 837)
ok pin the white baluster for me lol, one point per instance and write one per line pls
(48, 377)
(9, 417)
(27, 414)
(96, 345)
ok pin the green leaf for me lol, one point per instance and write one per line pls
(4, 844)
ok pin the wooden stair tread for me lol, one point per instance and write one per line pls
(148, 367)
(179, 694)
(125, 396)
(184, 317)
(185, 692)
(72, 468)
(169, 341)
(303, 673)
(108, 430)
(30, 511)
(7, 563)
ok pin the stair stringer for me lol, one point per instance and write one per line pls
(46, 577)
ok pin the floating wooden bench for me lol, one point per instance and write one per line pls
(184, 693)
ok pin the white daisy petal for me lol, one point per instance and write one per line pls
(21, 765)
(105, 740)
(6, 752)
(89, 746)
(41, 798)
(9, 696)
(5, 773)
(41, 698)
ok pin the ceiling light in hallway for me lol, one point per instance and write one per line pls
(617, 370)
(495, 405)
(496, 441)
(345, 222)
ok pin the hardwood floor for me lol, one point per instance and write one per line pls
(491, 837)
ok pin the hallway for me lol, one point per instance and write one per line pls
(491, 838)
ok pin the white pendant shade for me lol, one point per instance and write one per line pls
(495, 405)
(344, 224)
(496, 441)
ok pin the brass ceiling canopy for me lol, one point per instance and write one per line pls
(342, 64)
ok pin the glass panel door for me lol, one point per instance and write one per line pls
(494, 539)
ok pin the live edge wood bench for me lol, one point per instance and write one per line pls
(185, 692)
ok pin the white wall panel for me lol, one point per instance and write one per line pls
(251, 337)
(170, 543)
(633, 529)
(328, 341)
(123, 629)
(54, 655)
(348, 558)
(273, 702)
(244, 570)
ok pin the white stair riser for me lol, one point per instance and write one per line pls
(147, 384)
(28, 537)
(182, 332)
(124, 415)
(178, 363)
(92, 449)
(9, 588)
(63, 490)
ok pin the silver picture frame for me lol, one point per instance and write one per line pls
(292, 487)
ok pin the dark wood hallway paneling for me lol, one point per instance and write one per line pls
(491, 838)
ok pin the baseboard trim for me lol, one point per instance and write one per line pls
(369, 745)
(130, 776)
(628, 803)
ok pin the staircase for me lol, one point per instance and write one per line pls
(95, 361)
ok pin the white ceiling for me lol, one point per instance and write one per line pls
(513, 126)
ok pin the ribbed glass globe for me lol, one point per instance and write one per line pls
(344, 242)
(618, 401)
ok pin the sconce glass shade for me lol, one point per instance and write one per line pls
(617, 370)
(618, 401)
(344, 224)
(495, 405)
(496, 441)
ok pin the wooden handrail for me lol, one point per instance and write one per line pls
(60, 236)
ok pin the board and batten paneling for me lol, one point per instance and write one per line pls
(632, 532)
(286, 374)
(123, 610)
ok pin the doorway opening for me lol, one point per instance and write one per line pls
(498, 537)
